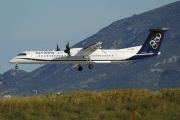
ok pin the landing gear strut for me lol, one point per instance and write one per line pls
(89, 61)
(80, 67)
(16, 67)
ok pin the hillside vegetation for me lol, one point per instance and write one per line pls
(108, 105)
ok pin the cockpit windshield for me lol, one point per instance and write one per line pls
(22, 54)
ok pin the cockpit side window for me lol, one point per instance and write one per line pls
(22, 54)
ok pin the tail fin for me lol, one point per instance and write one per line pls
(153, 41)
(151, 45)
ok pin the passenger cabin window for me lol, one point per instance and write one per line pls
(22, 54)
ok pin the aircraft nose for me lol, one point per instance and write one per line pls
(12, 61)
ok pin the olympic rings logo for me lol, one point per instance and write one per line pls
(155, 41)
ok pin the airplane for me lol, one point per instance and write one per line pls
(93, 54)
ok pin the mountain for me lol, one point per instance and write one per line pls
(152, 73)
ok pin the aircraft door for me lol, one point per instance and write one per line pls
(115, 56)
(33, 56)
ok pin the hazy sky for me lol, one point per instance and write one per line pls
(27, 25)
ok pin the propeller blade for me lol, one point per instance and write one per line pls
(57, 49)
(67, 45)
(67, 49)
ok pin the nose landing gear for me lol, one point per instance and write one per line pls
(16, 67)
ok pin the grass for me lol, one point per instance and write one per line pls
(107, 105)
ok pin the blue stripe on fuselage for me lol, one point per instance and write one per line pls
(141, 56)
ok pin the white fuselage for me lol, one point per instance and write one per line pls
(92, 54)
(77, 56)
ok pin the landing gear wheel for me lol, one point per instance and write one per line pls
(90, 66)
(80, 68)
(16, 67)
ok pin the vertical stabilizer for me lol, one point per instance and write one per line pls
(153, 41)
(151, 45)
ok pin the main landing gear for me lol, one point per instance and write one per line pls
(16, 67)
(88, 60)
(80, 68)
(90, 66)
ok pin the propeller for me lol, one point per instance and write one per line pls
(67, 50)
(57, 49)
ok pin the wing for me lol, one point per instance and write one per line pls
(93, 46)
